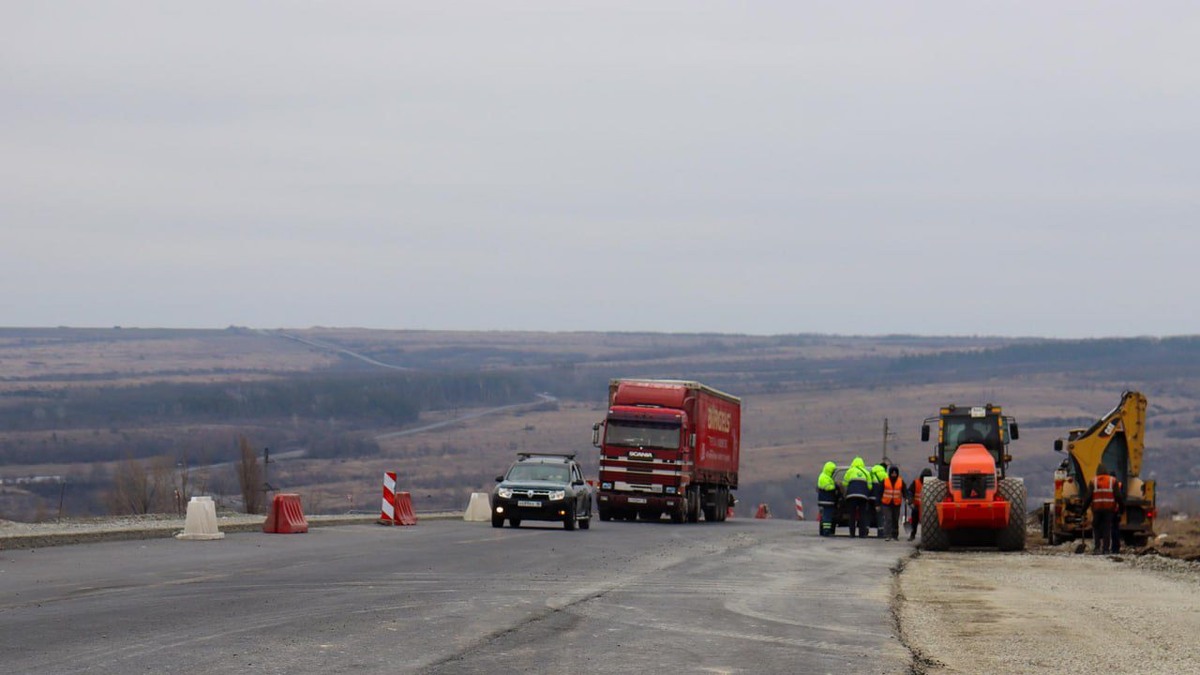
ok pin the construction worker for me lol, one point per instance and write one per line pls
(893, 497)
(914, 498)
(856, 484)
(1105, 500)
(827, 499)
(878, 473)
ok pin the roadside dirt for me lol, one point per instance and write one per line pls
(1049, 612)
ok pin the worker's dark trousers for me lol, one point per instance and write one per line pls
(1116, 533)
(1102, 531)
(915, 514)
(828, 513)
(889, 525)
(875, 515)
(858, 516)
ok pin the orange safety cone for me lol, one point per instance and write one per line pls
(763, 512)
(404, 509)
(285, 516)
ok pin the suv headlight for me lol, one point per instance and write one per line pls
(504, 493)
(558, 495)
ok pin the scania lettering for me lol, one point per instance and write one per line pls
(667, 447)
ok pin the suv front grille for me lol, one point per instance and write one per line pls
(531, 493)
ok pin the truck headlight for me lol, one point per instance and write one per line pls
(558, 495)
(504, 493)
(670, 490)
(606, 486)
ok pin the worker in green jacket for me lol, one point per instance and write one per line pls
(856, 483)
(879, 474)
(827, 492)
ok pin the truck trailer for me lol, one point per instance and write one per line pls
(667, 447)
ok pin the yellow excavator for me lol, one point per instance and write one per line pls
(1118, 442)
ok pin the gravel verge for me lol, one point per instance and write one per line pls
(975, 611)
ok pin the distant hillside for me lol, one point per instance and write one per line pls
(79, 402)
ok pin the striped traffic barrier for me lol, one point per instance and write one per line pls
(387, 514)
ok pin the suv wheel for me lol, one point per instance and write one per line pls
(497, 521)
(569, 519)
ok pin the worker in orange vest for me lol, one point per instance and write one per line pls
(890, 501)
(914, 498)
(1105, 499)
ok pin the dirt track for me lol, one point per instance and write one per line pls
(1053, 613)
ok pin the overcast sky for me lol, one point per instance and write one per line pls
(740, 167)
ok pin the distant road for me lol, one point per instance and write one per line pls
(330, 347)
(541, 398)
(319, 344)
(743, 596)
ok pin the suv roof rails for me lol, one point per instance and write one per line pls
(563, 455)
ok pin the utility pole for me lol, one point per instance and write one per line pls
(886, 436)
(266, 464)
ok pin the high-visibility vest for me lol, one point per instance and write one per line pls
(1104, 496)
(917, 491)
(893, 491)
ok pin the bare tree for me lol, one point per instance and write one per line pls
(137, 489)
(250, 477)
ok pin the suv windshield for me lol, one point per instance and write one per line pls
(634, 435)
(546, 472)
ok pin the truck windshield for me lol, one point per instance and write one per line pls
(642, 435)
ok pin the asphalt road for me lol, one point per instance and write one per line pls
(742, 596)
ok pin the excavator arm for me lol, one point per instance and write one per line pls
(1117, 440)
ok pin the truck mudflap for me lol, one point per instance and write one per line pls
(639, 502)
(991, 515)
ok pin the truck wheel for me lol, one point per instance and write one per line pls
(515, 522)
(497, 521)
(933, 537)
(569, 519)
(605, 515)
(722, 504)
(1012, 537)
(693, 505)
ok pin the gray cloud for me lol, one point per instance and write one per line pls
(761, 168)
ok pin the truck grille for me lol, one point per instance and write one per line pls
(973, 486)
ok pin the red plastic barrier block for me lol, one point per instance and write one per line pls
(404, 509)
(285, 516)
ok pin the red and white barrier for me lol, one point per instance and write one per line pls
(799, 509)
(387, 515)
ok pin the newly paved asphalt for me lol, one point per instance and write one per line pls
(743, 596)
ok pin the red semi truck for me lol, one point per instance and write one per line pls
(667, 447)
